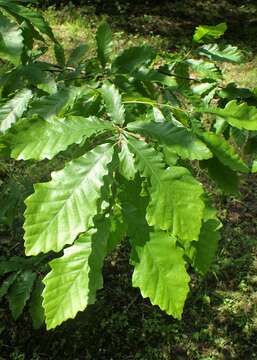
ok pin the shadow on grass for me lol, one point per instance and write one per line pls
(177, 19)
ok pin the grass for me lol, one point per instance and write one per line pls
(244, 75)
(74, 26)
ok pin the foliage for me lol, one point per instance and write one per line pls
(133, 126)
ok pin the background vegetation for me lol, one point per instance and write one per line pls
(220, 318)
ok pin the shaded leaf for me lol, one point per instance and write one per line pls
(100, 243)
(77, 54)
(133, 205)
(232, 91)
(133, 58)
(117, 229)
(36, 309)
(59, 54)
(34, 17)
(152, 75)
(7, 283)
(10, 265)
(20, 292)
(204, 250)
(224, 151)
(47, 107)
(104, 43)
(224, 177)
(206, 246)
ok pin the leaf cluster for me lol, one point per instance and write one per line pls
(135, 126)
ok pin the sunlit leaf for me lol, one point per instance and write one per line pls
(161, 274)
(61, 209)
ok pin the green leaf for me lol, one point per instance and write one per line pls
(204, 69)
(47, 107)
(20, 292)
(10, 265)
(117, 229)
(11, 41)
(100, 243)
(242, 116)
(77, 54)
(48, 84)
(112, 99)
(151, 75)
(36, 309)
(25, 76)
(64, 207)
(133, 58)
(204, 250)
(206, 246)
(7, 283)
(39, 139)
(224, 151)
(254, 166)
(34, 17)
(59, 54)
(29, 33)
(176, 204)
(134, 204)
(75, 277)
(17, 263)
(104, 42)
(228, 54)
(170, 157)
(179, 139)
(161, 274)
(204, 33)
(137, 100)
(67, 285)
(13, 109)
(232, 91)
(148, 161)
(206, 90)
(27, 1)
(203, 88)
(224, 177)
(86, 105)
(158, 115)
(239, 137)
(127, 161)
